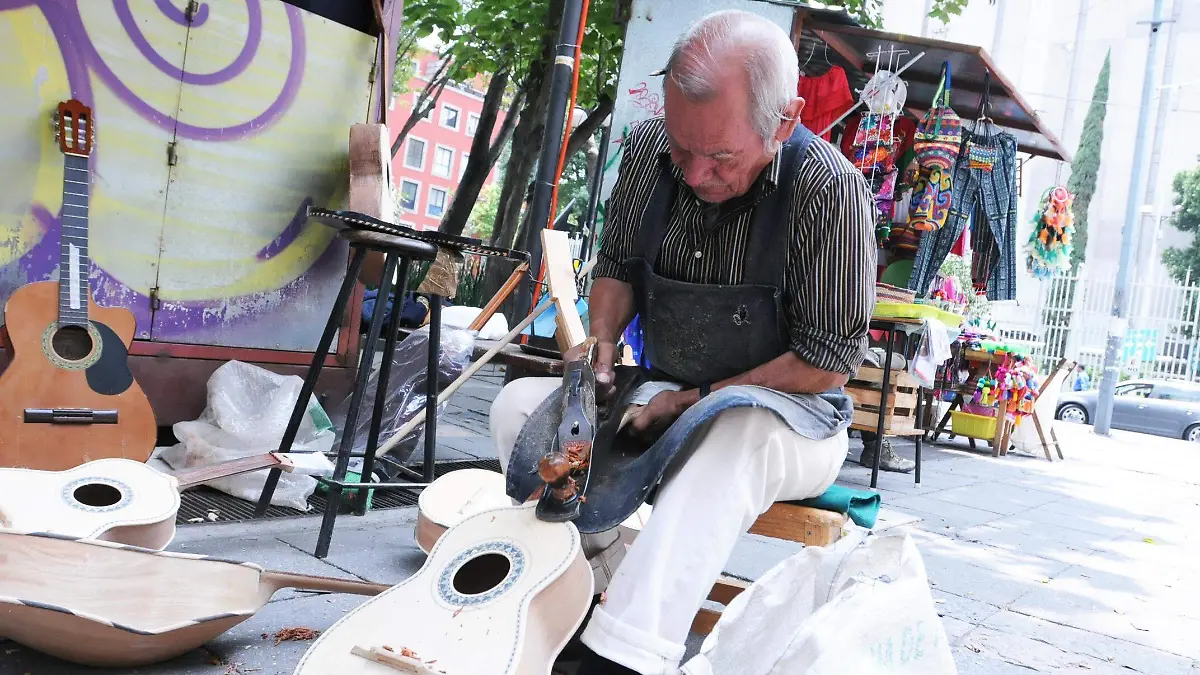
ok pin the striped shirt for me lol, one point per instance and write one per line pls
(829, 282)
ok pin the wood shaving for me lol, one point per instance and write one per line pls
(296, 634)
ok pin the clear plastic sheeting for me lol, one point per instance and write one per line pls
(247, 413)
(406, 389)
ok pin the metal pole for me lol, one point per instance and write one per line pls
(594, 197)
(1146, 249)
(543, 188)
(1120, 310)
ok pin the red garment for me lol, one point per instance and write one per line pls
(826, 97)
(960, 246)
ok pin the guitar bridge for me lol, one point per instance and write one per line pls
(69, 416)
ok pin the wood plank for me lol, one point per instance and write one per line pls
(560, 275)
(809, 526)
(874, 375)
(897, 426)
(872, 397)
(704, 622)
(726, 589)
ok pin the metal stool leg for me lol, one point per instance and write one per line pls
(334, 496)
(314, 372)
(385, 371)
(431, 383)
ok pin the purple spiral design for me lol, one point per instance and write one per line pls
(253, 38)
(79, 57)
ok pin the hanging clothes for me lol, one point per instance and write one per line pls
(903, 129)
(992, 195)
(826, 98)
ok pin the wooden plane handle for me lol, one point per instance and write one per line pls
(404, 664)
(202, 474)
(310, 582)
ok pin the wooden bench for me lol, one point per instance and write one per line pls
(784, 520)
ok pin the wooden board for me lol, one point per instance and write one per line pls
(560, 275)
(804, 524)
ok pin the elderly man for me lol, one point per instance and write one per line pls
(747, 247)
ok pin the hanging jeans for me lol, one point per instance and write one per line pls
(994, 193)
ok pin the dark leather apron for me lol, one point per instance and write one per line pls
(698, 334)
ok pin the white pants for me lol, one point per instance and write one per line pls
(712, 493)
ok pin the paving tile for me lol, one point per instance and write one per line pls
(267, 551)
(1013, 533)
(967, 610)
(383, 557)
(996, 496)
(1119, 653)
(1026, 651)
(940, 516)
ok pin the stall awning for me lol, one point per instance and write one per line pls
(850, 45)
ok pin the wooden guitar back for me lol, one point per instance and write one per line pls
(500, 594)
(33, 381)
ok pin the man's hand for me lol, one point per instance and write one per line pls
(661, 412)
(604, 358)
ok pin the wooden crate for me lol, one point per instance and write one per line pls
(866, 388)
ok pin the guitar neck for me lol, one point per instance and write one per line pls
(202, 474)
(73, 258)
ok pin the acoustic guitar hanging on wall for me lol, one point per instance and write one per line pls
(68, 397)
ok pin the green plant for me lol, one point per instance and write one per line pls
(1086, 167)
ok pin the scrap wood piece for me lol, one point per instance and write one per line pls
(560, 276)
(295, 634)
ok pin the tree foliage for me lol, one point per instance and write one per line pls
(1086, 167)
(870, 12)
(1185, 262)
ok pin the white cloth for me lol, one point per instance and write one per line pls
(746, 460)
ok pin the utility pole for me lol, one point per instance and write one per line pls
(1147, 242)
(1118, 322)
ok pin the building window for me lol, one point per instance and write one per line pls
(443, 161)
(416, 102)
(414, 153)
(450, 116)
(466, 156)
(437, 202)
(409, 190)
(472, 123)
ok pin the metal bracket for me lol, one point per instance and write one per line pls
(190, 12)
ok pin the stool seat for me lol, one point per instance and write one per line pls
(412, 249)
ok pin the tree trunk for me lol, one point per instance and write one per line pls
(479, 164)
(527, 139)
(425, 102)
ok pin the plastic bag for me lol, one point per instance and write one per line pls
(860, 606)
(247, 413)
(932, 352)
(406, 389)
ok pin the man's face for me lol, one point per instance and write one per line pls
(713, 143)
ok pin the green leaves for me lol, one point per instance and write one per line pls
(1086, 166)
(1183, 262)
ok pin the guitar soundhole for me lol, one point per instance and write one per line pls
(72, 343)
(482, 574)
(97, 495)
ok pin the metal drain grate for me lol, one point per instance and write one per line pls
(200, 502)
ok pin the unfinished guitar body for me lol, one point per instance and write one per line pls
(60, 393)
(101, 604)
(500, 594)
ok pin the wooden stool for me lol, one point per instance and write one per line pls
(784, 520)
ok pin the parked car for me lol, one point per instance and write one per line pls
(1159, 407)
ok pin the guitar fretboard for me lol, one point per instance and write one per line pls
(73, 259)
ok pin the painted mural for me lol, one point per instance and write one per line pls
(255, 98)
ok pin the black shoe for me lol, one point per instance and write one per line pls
(592, 663)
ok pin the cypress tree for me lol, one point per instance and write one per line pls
(1086, 166)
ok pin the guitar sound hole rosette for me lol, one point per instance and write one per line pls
(96, 495)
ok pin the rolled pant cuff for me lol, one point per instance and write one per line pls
(631, 647)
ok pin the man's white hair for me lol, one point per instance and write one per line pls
(707, 50)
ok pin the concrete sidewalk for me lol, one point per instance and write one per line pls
(1072, 566)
